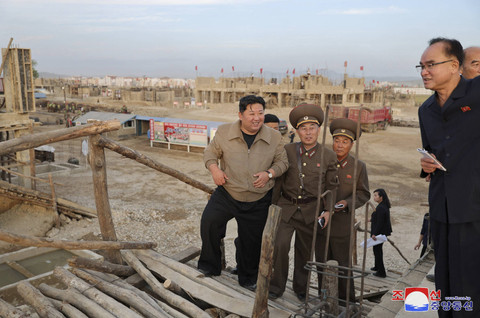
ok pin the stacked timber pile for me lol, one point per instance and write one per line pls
(151, 285)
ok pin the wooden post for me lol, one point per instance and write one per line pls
(99, 174)
(260, 308)
(330, 283)
(354, 252)
(31, 153)
(54, 201)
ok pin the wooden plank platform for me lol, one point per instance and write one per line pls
(373, 287)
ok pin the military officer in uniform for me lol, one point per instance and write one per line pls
(296, 193)
(344, 135)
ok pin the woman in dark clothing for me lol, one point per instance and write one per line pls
(380, 225)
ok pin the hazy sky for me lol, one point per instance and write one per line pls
(169, 38)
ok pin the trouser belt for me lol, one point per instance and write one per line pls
(297, 201)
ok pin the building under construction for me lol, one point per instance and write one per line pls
(289, 92)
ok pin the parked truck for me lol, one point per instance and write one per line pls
(373, 118)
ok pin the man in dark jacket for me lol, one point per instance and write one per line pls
(449, 125)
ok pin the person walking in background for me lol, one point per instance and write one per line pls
(380, 225)
(424, 235)
(471, 64)
(449, 129)
(291, 135)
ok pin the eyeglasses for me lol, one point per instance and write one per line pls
(429, 66)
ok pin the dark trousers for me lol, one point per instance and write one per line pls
(424, 248)
(251, 218)
(378, 253)
(457, 268)
(303, 246)
(337, 250)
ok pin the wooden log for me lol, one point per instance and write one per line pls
(132, 154)
(171, 311)
(75, 298)
(19, 268)
(260, 308)
(202, 292)
(330, 283)
(67, 309)
(126, 296)
(136, 280)
(35, 298)
(101, 266)
(48, 137)
(170, 285)
(9, 311)
(192, 274)
(160, 306)
(23, 240)
(91, 292)
(115, 280)
(104, 213)
(54, 201)
(216, 312)
(168, 296)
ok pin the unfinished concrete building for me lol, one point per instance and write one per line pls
(16, 103)
(291, 91)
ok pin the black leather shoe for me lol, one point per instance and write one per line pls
(379, 275)
(235, 271)
(251, 287)
(431, 278)
(206, 272)
(373, 269)
(301, 296)
(273, 295)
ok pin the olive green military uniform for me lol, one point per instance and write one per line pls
(340, 222)
(298, 201)
(340, 225)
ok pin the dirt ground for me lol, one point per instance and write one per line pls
(150, 206)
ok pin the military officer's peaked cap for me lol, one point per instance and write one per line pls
(306, 113)
(344, 127)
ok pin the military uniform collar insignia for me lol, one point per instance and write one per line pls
(310, 152)
(343, 163)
